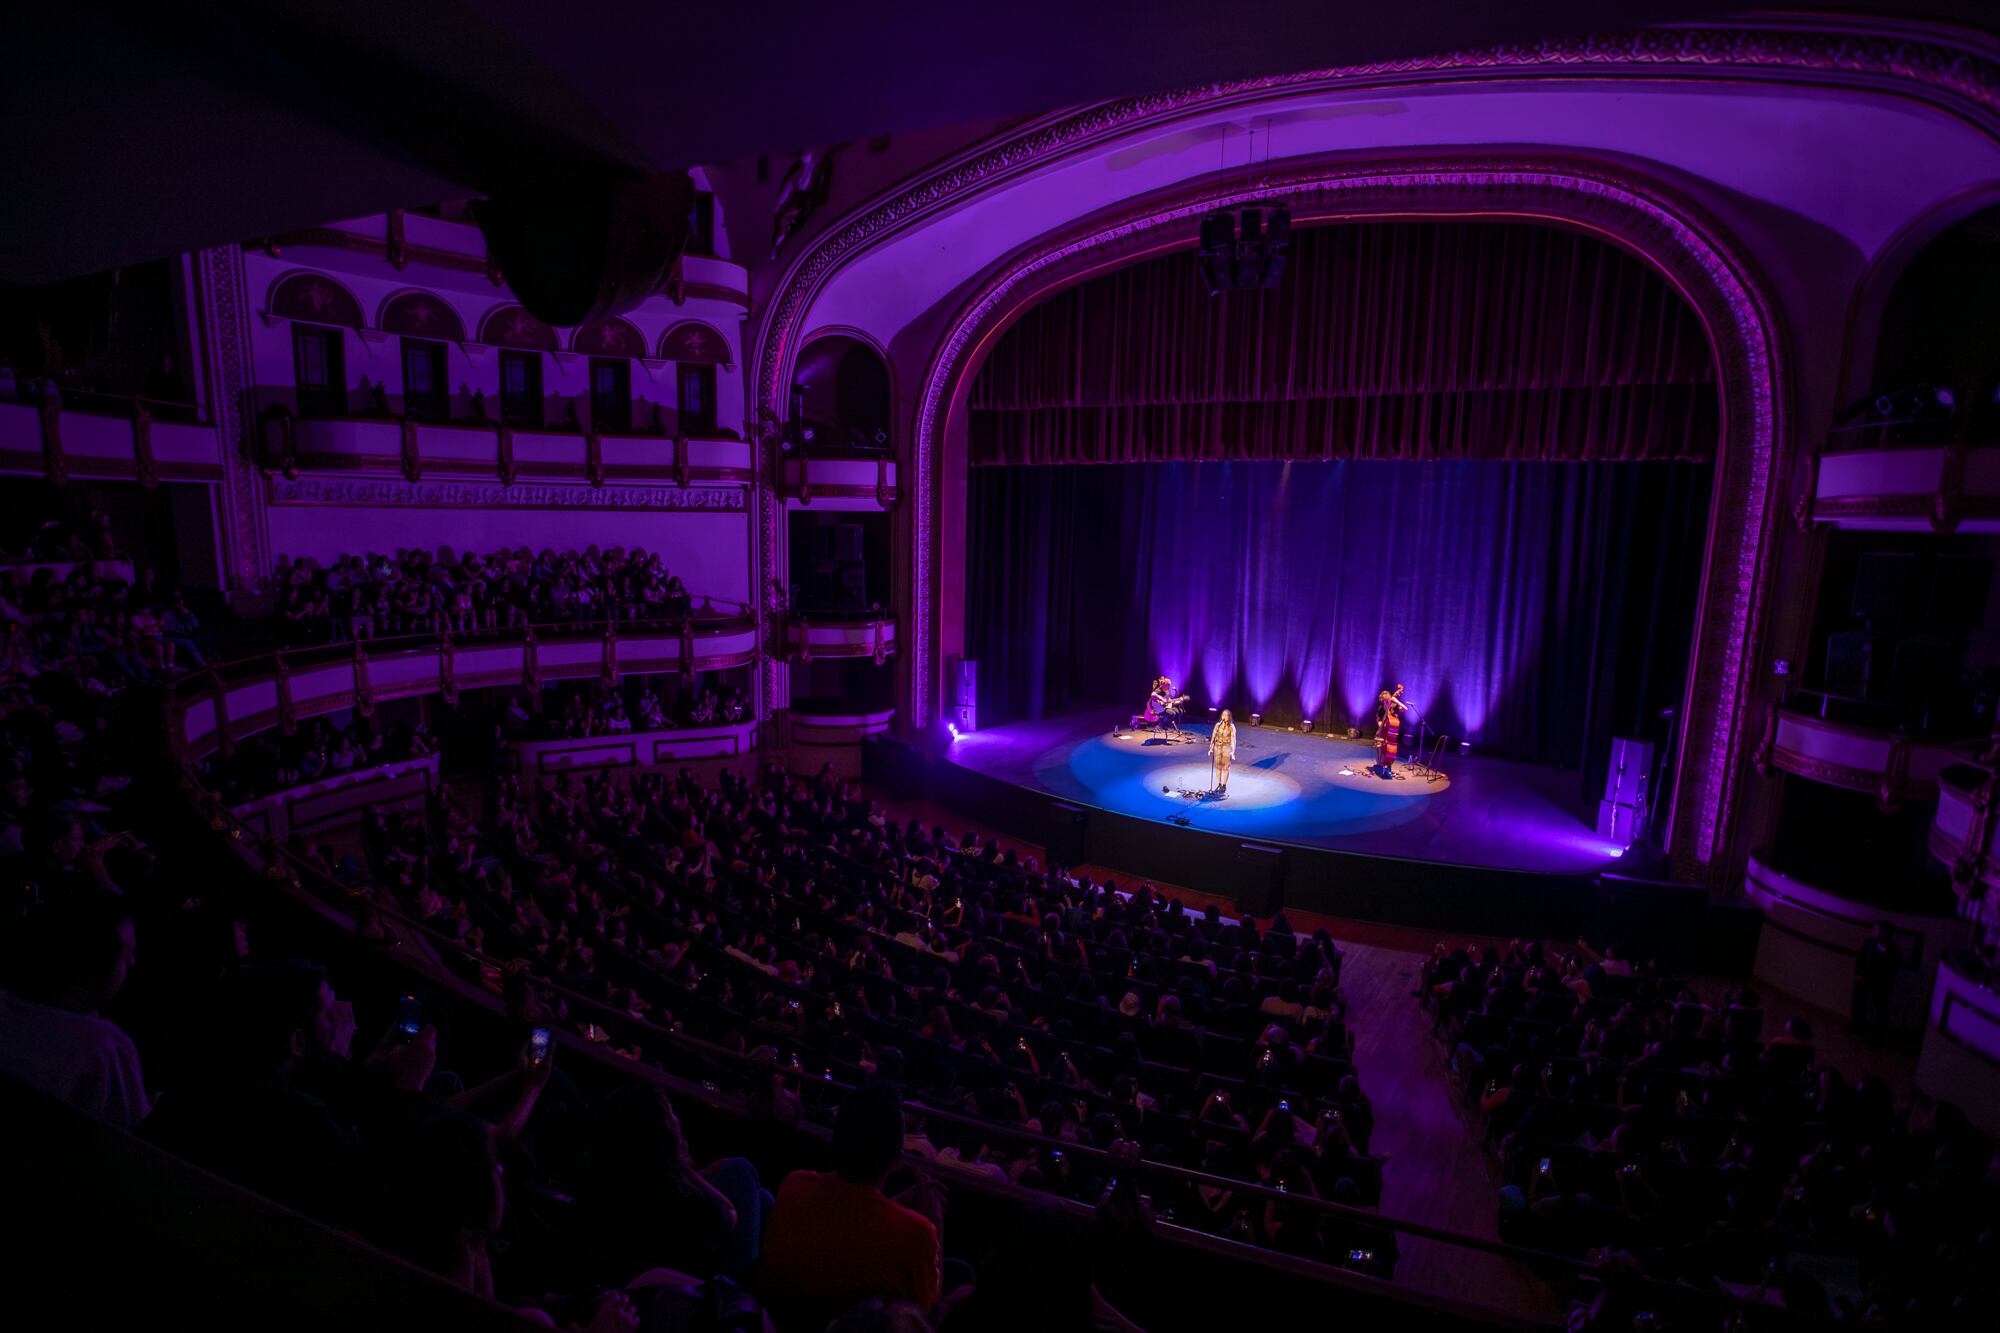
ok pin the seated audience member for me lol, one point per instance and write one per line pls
(277, 1110)
(835, 1239)
(652, 1206)
(64, 963)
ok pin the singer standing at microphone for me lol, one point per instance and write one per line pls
(1222, 750)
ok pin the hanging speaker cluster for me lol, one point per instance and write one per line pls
(1246, 251)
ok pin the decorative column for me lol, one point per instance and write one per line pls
(225, 333)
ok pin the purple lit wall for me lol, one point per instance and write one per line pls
(1531, 607)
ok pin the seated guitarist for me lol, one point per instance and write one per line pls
(1162, 706)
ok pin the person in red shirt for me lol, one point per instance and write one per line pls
(835, 1240)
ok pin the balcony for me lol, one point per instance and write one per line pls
(855, 481)
(823, 635)
(707, 278)
(1960, 1059)
(107, 438)
(282, 689)
(1893, 767)
(1962, 832)
(382, 447)
(1945, 488)
(1812, 935)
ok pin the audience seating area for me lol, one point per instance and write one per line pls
(416, 591)
(1653, 1127)
(778, 954)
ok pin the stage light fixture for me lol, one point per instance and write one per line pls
(1245, 259)
(952, 727)
(1306, 726)
(1256, 719)
(1464, 748)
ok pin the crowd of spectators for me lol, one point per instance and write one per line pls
(791, 921)
(70, 605)
(416, 591)
(1049, 1029)
(1660, 1129)
(639, 707)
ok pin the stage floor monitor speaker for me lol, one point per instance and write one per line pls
(1063, 833)
(1260, 879)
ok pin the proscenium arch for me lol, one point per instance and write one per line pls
(1687, 248)
(1934, 66)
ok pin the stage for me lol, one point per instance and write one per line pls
(1306, 789)
(1496, 846)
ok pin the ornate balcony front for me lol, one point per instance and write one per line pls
(401, 447)
(281, 690)
(1960, 1060)
(859, 481)
(107, 438)
(1943, 488)
(1892, 767)
(1813, 933)
(870, 634)
(1962, 836)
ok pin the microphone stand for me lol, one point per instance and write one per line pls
(1423, 727)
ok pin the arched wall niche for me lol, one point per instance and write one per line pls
(1886, 272)
(848, 386)
(1940, 319)
(1670, 233)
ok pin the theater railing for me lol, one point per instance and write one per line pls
(1823, 738)
(57, 435)
(1960, 1059)
(280, 689)
(1904, 488)
(413, 448)
(820, 478)
(816, 635)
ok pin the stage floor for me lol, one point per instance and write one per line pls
(1290, 787)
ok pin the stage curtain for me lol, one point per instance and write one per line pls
(1384, 340)
(1537, 609)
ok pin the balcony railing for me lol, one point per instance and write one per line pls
(817, 635)
(1893, 767)
(279, 689)
(414, 449)
(59, 434)
(1924, 488)
(820, 477)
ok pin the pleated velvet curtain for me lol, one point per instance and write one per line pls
(1386, 340)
